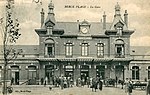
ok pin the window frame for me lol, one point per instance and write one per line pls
(84, 49)
(69, 49)
(100, 50)
(135, 73)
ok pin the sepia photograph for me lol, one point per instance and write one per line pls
(74, 47)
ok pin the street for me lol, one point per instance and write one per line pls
(41, 90)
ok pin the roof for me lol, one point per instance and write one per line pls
(140, 50)
(27, 49)
(72, 28)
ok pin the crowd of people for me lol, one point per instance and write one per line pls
(93, 83)
(66, 82)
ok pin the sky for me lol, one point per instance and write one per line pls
(28, 14)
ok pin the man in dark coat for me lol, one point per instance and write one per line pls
(94, 84)
(100, 85)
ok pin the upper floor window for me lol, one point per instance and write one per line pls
(69, 49)
(100, 50)
(119, 46)
(49, 48)
(84, 49)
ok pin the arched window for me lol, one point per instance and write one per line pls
(119, 48)
(49, 48)
(135, 73)
(148, 72)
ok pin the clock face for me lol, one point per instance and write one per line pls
(84, 30)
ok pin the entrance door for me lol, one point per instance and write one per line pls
(84, 72)
(15, 76)
(119, 71)
(49, 73)
(100, 71)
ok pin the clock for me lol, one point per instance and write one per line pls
(84, 30)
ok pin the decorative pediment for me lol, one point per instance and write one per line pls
(49, 24)
(119, 24)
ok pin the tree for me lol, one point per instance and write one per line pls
(10, 34)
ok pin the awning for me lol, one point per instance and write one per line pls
(122, 59)
(140, 62)
(66, 59)
(47, 59)
(103, 59)
(21, 61)
(85, 59)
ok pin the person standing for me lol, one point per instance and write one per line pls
(42, 80)
(45, 81)
(12, 81)
(62, 82)
(128, 87)
(100, 85)
(148, 88)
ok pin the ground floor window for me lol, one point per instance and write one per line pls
(135, 73)
(69, 71)
(0, 75)
(148, 72)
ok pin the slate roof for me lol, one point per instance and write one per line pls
(72, 28)
(140, 50)
(27, 49)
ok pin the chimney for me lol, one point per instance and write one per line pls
(104, 21)
(42, 17)
(126, 18)
(117, 10)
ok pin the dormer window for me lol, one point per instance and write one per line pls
(119, 27)
(119, 31)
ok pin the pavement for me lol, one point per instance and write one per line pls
(41, 90)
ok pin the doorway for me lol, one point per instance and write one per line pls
(49, 73)
(84, 73)
(15, 75)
